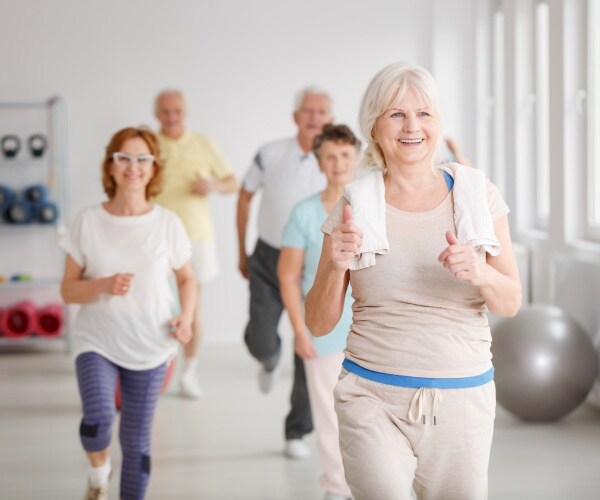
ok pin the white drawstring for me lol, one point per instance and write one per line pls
(418, 405)
(437, 397)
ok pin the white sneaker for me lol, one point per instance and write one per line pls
(189, 387)
(296, 449)
(266, 379)
(95, 492)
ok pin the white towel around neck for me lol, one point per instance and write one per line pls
(472, 217)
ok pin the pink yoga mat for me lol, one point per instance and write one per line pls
(49, 320)
(18, 321)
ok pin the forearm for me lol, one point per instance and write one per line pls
(84, 291)
(324, 303)
(188, 295)
(226, 185)
(291, 295)
(502, 294)
(243, 210)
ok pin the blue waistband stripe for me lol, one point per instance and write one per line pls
(418, 382)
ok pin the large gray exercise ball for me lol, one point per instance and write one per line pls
(545, 363)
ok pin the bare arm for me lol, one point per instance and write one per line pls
(188, 295)
(243, 212)
(502, 289)
(74, 289)
(324, 302)
(289, 271)
(202, 186)
(227, 185)
(497, 278)
(453, 147)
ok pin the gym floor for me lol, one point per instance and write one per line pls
(227, 446)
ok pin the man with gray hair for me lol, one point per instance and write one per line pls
(285, 171)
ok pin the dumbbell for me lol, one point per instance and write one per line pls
(10, 145)
(37, 145)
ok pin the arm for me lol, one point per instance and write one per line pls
(324, 302)
(74, 289)
(203, 186)
(289, 271)
(226, 185)
(497, 278)
(243, 212)
(452, 146)
(188, 293)
(502, 289)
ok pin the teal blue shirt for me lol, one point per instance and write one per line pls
(303, 230)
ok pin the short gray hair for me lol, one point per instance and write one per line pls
(310, 90)
(388, 86)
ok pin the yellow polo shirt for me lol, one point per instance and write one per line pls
(185, 158)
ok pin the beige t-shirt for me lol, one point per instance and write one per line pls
(410, 315)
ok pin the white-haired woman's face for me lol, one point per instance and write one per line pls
(407, 132)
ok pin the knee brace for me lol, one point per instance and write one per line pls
(95, 436)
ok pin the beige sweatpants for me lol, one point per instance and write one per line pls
(394, 439)
(321, 376)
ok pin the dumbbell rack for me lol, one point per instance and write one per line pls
(31, 249)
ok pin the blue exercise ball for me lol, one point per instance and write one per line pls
(545, 363)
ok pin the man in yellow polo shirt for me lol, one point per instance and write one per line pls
(194, 168)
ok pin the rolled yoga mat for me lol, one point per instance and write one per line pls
(49, 320)
(18, 321)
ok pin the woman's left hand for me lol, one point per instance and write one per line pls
(181, 329)
(462, 261)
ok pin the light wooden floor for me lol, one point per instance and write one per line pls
(228, 445)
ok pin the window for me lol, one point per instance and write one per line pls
(498, 141)
(594, 120)
(542, 118)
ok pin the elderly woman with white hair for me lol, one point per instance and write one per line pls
(427, 250)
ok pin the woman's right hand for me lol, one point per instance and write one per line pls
(181, 329)
(304, 346)
(120, 284)
(346, 239)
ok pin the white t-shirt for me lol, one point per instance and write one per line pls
(132, 331)
(286, 175)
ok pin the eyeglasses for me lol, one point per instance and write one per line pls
(125, 160)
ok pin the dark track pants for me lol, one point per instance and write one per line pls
(263, 340)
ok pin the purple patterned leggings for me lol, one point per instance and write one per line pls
(97, 378)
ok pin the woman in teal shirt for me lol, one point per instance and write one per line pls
(336, 149)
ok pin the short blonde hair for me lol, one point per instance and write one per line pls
(387, 87)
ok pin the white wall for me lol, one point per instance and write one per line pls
(239, 63)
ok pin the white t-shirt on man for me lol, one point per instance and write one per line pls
(286, 175)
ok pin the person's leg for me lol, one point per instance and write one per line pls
(378, 458)
(206, 266)
(97, 380)
(139, 395)
(299, 419)
(321, 376)
(261, 336)
(189, 384)
(454, 454)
